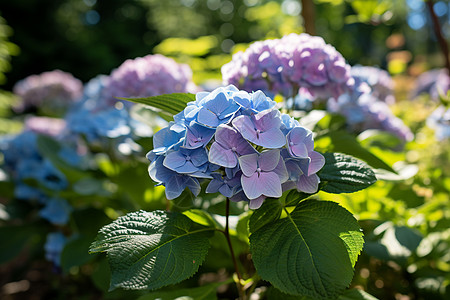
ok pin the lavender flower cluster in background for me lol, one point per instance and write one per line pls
(239, 141)
(379, 81)
(52, 92)
(282, 66)
(434, 82)
(363, 111)
(147, 76)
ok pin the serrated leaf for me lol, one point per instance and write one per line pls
(345, 174)
(311, 252)
(269, 211)
(206, 292)
(149, 250)
(168, 103)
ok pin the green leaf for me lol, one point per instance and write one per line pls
(311, 252)
(269, 212)
(206, 292)
(75, 253)
(345, 174)
(168, 103)
(348, 144)
(149, 250)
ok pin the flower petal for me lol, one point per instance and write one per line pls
(207, 117)
(317, 162)
(221, 156)
(308, 184)
(264, 183)
(272, 138)
(268, 160)
(256, 203)
(248, 164)
(174, 160)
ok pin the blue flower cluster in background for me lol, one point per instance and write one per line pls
(241, 143)
(439, 120)
(94, 120)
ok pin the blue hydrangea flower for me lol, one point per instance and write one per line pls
(54, 245)
(217, 109)
(185, 161)
(262, 129)
(223, 184)
(253, 103)
(197, 136)
(214, 139)
(174, 182)
(56, 211)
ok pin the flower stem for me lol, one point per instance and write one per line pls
(227, 235)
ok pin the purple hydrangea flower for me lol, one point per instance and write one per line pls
(50, 92)
(379, 81)
(263, 174)
(228, 146)
(300, 142)
(262, 129)
(302, 171)
(363, 111)
(282, 66)
(147, 76)
(434, 82)
(45, 126)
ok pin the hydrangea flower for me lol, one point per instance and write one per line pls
(434, 82)
(282, 66)
(54, 245)
(147, 76)
(50, 92)
(251, 153)
(379, 82)
(363, 111)
(439, 120)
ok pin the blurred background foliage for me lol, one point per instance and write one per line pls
(90, 37)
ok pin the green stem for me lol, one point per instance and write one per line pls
(230, 246)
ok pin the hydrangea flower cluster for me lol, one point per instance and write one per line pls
(439, 120)
(282, 66)
(22, 162)
(100, 115)
(50, 92)
(379, 81)
(434, 82)
(364, 111)
(241, 143)
(147, 76)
